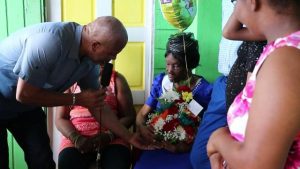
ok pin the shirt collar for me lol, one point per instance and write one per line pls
(74, 52)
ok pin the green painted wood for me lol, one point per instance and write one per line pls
(10, 141)
(3, 19)
(161, 38)
(34, 11)
(15, 14)
(158, 70)
(159, 62)
(18, 157)
(209, 34)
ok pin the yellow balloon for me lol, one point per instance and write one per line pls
(179, 13)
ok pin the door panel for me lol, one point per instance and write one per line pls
(130, 63)
(81, 12)
(130, 12)
(135, 60)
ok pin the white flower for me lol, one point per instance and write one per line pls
(168, 135)
(182, 106)
(175, 116)
(159, 124)
(169, 118)
(170, 96)
(181, 134)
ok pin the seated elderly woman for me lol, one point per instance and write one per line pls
(83, 136)
(171, 124)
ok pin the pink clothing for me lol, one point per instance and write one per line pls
(238, 112)
(85, 123)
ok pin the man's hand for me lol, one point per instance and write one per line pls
(138, 142)
(91, 99)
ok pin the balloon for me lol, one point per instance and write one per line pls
(179, 13)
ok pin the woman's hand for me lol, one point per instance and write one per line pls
(211, 145)
(146, 133)
(85, 144)
(177, 148)
(217, 161)
(101, 140)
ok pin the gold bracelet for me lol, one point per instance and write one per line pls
(74, 99)
(74, 136)
(110, 135)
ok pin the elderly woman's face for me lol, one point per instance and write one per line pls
(176, 72)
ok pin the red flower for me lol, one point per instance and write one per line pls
(183, 89)
(180, 100)
(189, 130)
(171, 125)
(172, 110)
(184, 118)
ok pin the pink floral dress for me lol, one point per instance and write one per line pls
(85, 123)
(238, 112)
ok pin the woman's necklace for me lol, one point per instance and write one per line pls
(187, 82)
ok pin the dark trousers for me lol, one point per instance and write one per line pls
(3, 149)
(30, 131)
(112, 157)
(214, 118)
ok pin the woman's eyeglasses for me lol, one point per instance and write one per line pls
(175, 67)
(233, 2)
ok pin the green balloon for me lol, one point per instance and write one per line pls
(179, 13)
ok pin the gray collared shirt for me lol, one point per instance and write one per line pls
(47, 56)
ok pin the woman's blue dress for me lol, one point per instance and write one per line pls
(161, 158)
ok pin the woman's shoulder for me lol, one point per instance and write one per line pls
(159, 78)
(198, 79)
(200, 83)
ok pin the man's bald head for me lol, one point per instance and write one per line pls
(103, 39)
(108, 30)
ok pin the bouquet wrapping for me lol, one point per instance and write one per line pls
(173, 122)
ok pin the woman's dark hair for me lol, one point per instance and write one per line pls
(282, 5)
(175, 45)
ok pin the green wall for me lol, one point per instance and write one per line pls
(15, 14)
(206, 28)
(209, 36)
(161, 33)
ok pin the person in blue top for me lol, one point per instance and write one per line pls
(181, 56)
(37, 64)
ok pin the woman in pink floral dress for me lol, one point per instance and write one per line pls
(264, 119)
(81, 130)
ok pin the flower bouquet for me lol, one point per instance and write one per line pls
(173, 122)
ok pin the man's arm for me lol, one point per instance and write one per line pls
(125, 101)
(234, 30)
(29, 94)
(110, 120)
